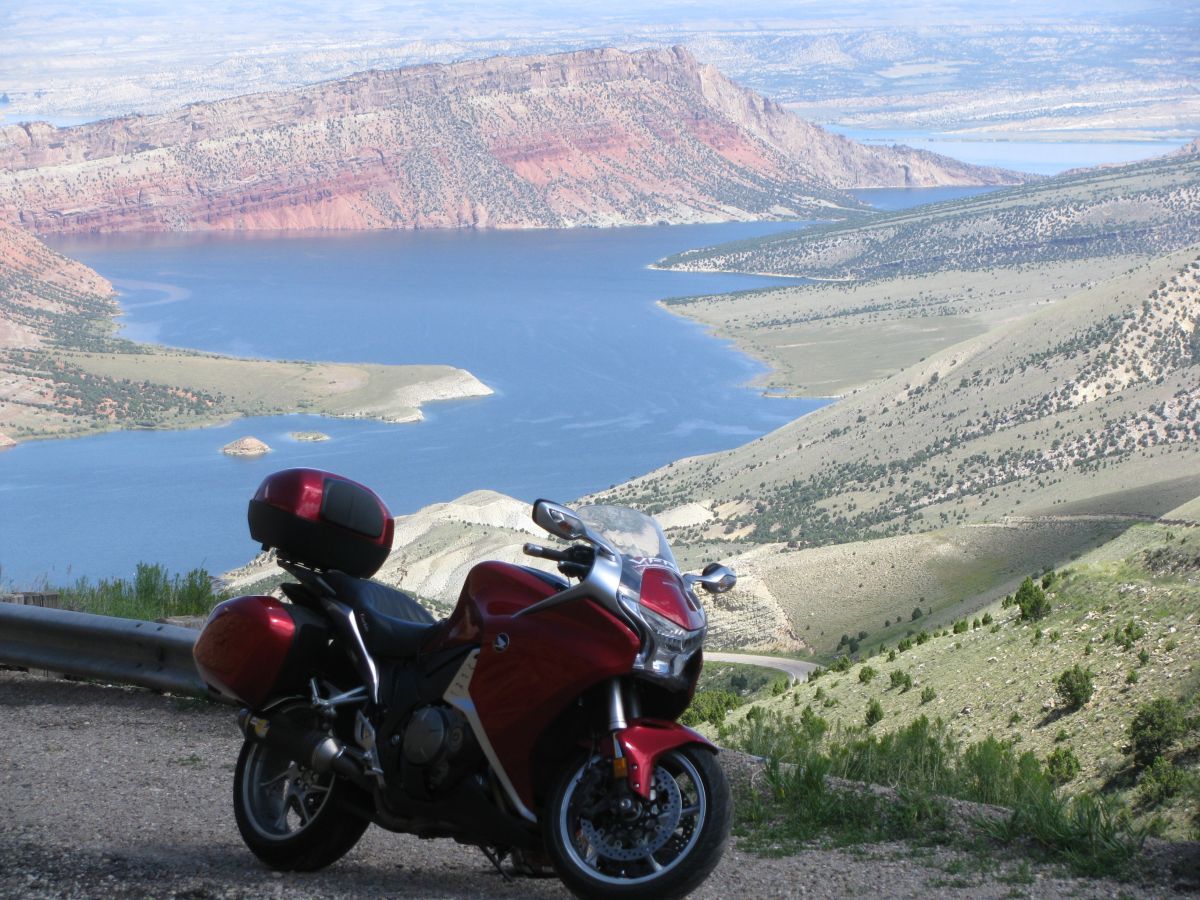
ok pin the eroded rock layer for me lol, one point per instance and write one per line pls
(597, 137)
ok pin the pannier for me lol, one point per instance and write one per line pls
(257, 647)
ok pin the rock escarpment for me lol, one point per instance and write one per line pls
(597, 137)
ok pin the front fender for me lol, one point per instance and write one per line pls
(645, 740)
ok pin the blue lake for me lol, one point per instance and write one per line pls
(594, 383)
(1040, 157)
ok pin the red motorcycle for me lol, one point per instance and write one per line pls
(538, 721)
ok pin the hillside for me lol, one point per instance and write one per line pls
(596, 137)
(65, 372)
(1143, 208)
(1092, 394)
(1129, 612)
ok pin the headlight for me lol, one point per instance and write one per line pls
(666, 647)
(671, 636)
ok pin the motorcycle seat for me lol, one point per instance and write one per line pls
(393, 623)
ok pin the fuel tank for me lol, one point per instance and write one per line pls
(529, 669)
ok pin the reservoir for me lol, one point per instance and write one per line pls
(593, 382)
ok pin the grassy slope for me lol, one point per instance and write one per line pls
(1145, 208)
(1063, 404)
(1000, 680)
(829, 339)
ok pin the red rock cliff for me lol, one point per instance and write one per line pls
(598, 137)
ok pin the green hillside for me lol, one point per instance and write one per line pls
(1128, 615)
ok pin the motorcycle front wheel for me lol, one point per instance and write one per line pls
(605, 843)
(288, 815)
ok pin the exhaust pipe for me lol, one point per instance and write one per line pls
(311, 747)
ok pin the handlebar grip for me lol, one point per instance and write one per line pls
(543, 552)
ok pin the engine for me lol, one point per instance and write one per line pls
(432, 750)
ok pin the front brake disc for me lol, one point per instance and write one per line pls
(646, 834)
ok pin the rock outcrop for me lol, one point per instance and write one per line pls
(596, 137)
(247, 446)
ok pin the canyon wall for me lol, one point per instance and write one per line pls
(589, 138)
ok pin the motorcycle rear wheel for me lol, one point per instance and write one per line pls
(288, 815)
(655, 850)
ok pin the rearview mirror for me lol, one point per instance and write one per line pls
(716, 578)
(558, 520)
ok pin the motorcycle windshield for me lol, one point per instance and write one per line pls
(635, 535)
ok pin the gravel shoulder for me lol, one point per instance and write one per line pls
(117, 792)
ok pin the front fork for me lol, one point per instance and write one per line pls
(637, 742)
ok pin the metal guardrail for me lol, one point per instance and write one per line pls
(126, 651)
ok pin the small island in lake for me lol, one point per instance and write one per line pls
(247, 446)
(310, 436)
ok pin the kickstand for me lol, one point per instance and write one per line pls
(496, 857)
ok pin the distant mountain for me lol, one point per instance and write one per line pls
(596, 137)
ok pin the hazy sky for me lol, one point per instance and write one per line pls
(66, 60)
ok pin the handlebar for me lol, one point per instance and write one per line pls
(544, 552)
(574, 562)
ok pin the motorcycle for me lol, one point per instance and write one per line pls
(538, 721)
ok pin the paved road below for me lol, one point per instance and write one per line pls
(797, 669)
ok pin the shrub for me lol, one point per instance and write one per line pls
(153, 594)
(865, 674)
(904, 645)
(1094, 834)
(1128, 635)
(991, 772)
(1160, 782)
(986, 620)
(1143, 656)
(960, 626)
(1075, 687)
(928, 695)
(901, 680)
(710, 706)
(922, 637)
(1155, 727)
(916, 613)
(874, 713)
(1032, 601)
(1131, 677)
(841, 664)
(1062, 765)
